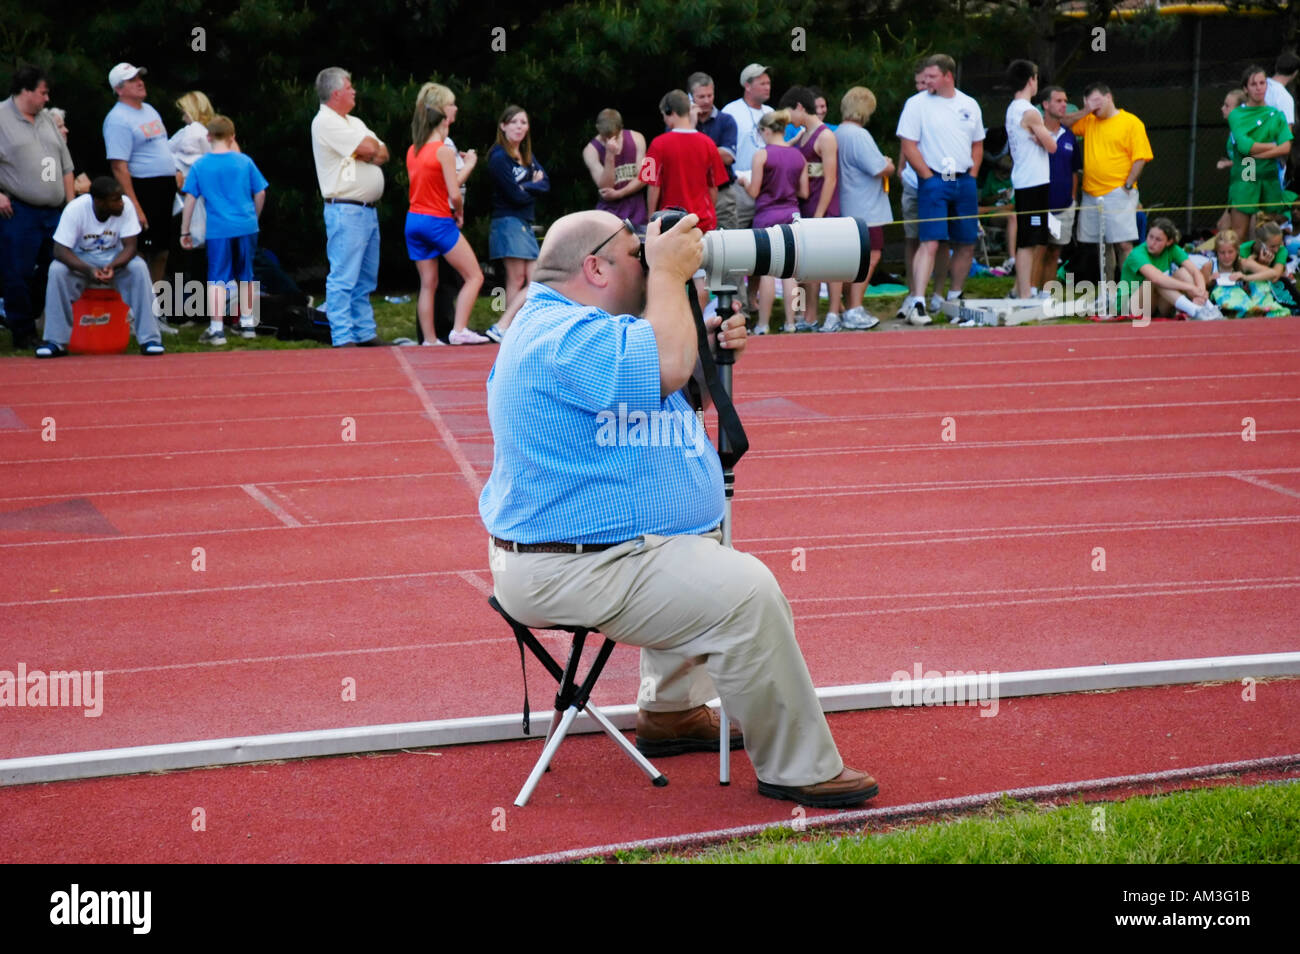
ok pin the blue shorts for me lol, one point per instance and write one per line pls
(231, 259)
(428, 236)
(511, 238)
(942, 200)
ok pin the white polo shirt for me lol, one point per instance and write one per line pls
(944, 127)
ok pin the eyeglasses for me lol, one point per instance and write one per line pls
(628, 227)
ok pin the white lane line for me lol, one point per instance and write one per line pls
(292, 481)
(284, 516)
(1267, 485)
(448, 438)
(101, 401)
(888, 813)
(475, 580)
(216, 450)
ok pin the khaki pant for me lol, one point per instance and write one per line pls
(704, 616)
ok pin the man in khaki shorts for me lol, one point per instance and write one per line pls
(605, 498)
(1064, 166)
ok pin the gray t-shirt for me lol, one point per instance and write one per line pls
(862, 191)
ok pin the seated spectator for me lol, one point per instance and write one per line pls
(81, 184)
(96, 241)
(1264, 259)
(1158, 272)
(614, 160)
(235, 190)
(1229, 283)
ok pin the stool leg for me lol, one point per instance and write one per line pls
(548, 753)
(724, 747)
(655, 775)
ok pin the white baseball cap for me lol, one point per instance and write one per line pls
(751, 72)
(123, 72)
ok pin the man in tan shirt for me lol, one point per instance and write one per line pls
(348, 156)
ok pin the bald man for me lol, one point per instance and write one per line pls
(605, 498)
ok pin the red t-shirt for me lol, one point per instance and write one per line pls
(428, 185)
(683, 165)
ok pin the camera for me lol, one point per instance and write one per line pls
(829, 250)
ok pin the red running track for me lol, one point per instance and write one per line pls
(327, 559)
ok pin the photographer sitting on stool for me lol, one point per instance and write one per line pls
(617, 528)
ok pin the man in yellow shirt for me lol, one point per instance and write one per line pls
(1115, 150)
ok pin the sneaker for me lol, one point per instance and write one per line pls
(760, 328)
(213, 336)
(858, 319)
(247, 329)
(832, 323)
(1207, 312)
(915, 314)
(152, 348)
(48, 349)
(802, 325)
(495, 333)
(167, 329)
(936, 303)
(426, 343)
(467, 337)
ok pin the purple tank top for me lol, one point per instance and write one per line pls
(630, 207)
(816, 179)
(778, 195)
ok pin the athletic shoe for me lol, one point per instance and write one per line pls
(166, 328)
(832, 323)
(152, 348)
(213, 336)
(467, 337)
(247, 329)
(48, 349)
(495, 333)
(1207, 312)
(430, 344)
(858, 319)
(936, 304)
(915, 315)
(802, 325)
(760, 328)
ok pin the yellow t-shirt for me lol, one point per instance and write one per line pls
(1110, 147)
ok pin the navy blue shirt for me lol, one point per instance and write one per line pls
(513, 188)
(721, 128)
(1062, 165)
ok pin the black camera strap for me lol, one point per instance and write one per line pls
(728, 419)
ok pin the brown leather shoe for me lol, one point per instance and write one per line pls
(850, 787)
(660, 734)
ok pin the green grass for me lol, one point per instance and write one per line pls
(1225, 825)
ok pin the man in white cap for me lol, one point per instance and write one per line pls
(747, 112)
(135, 141)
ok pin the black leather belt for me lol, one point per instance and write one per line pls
(553, 547)
(368, 205)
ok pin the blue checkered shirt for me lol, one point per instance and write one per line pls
(574, 461)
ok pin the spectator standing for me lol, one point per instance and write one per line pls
(721, 128)
(778, 181)
(348, 158)
(864, 169)
(30, 199)
(135, 141)
(437, 209)
(1115, 151)
(942, 132)
(1279, 97)
(1261, 138)
(188, 144)
(821, 152)
(911, 225)
(517, 179)
(613, 158)
(234, 190)
(1064, 168)
(81, 184)
(746, 112)
(1032, 145)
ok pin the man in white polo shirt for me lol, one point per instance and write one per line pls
(747, 111)
(1030, 144)
(942, 133)
(348, 156)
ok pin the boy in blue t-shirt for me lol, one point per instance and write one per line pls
(234, 190)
